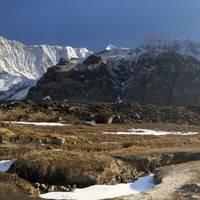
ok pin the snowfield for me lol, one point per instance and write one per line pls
(98, 192)
(40, 123)
(5, 165)
(150, 132)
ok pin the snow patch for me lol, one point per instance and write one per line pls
(5, 165)
(39, 123)
(20, 95)
(47, 98)
(92, 123)
(98, 192)
(150, 132)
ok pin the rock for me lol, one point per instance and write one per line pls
(94, 59)
(86, 123)
(52, 188)
(191, 188)
(73, 188)
(165, 79)
(36, 185)
(103, 119)
(58, 140)
(43, 187)
(63, 61)
(137, 116)
(62, 189)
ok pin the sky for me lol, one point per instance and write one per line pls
(96, 23)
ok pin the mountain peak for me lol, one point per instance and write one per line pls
(158, 39)
(110, 47)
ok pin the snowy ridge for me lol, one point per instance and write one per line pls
(32, 61)
(159, 43)
(20, 63)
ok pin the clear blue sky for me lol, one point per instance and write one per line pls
(96, 23)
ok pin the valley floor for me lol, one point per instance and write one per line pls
(48, 157)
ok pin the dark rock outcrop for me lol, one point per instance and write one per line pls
(88, 81)
(168, 79)
(160, 79)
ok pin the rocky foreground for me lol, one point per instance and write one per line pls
(102, 113)
(77, 153)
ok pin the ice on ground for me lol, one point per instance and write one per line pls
(109, 143)
(39, 123)
(92, 123)
(98, 192)
(5, 165)
(150, 132)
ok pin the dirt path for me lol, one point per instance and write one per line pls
(175, 177)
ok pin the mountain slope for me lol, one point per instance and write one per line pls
(21, 65)
(166, 79)
(90, 80)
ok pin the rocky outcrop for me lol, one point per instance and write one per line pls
(168, 79)
(66, 112)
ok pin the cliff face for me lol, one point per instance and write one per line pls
(88, 81)
(169, 79)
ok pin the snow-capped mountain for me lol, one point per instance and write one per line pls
(158, 43)
(21, 65)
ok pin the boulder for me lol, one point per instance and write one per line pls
(103, 119)
(58, 140)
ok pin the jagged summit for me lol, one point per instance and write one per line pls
(111, 47)
(163, 43)
(158, 38)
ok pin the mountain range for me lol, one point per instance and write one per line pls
(111, 71)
